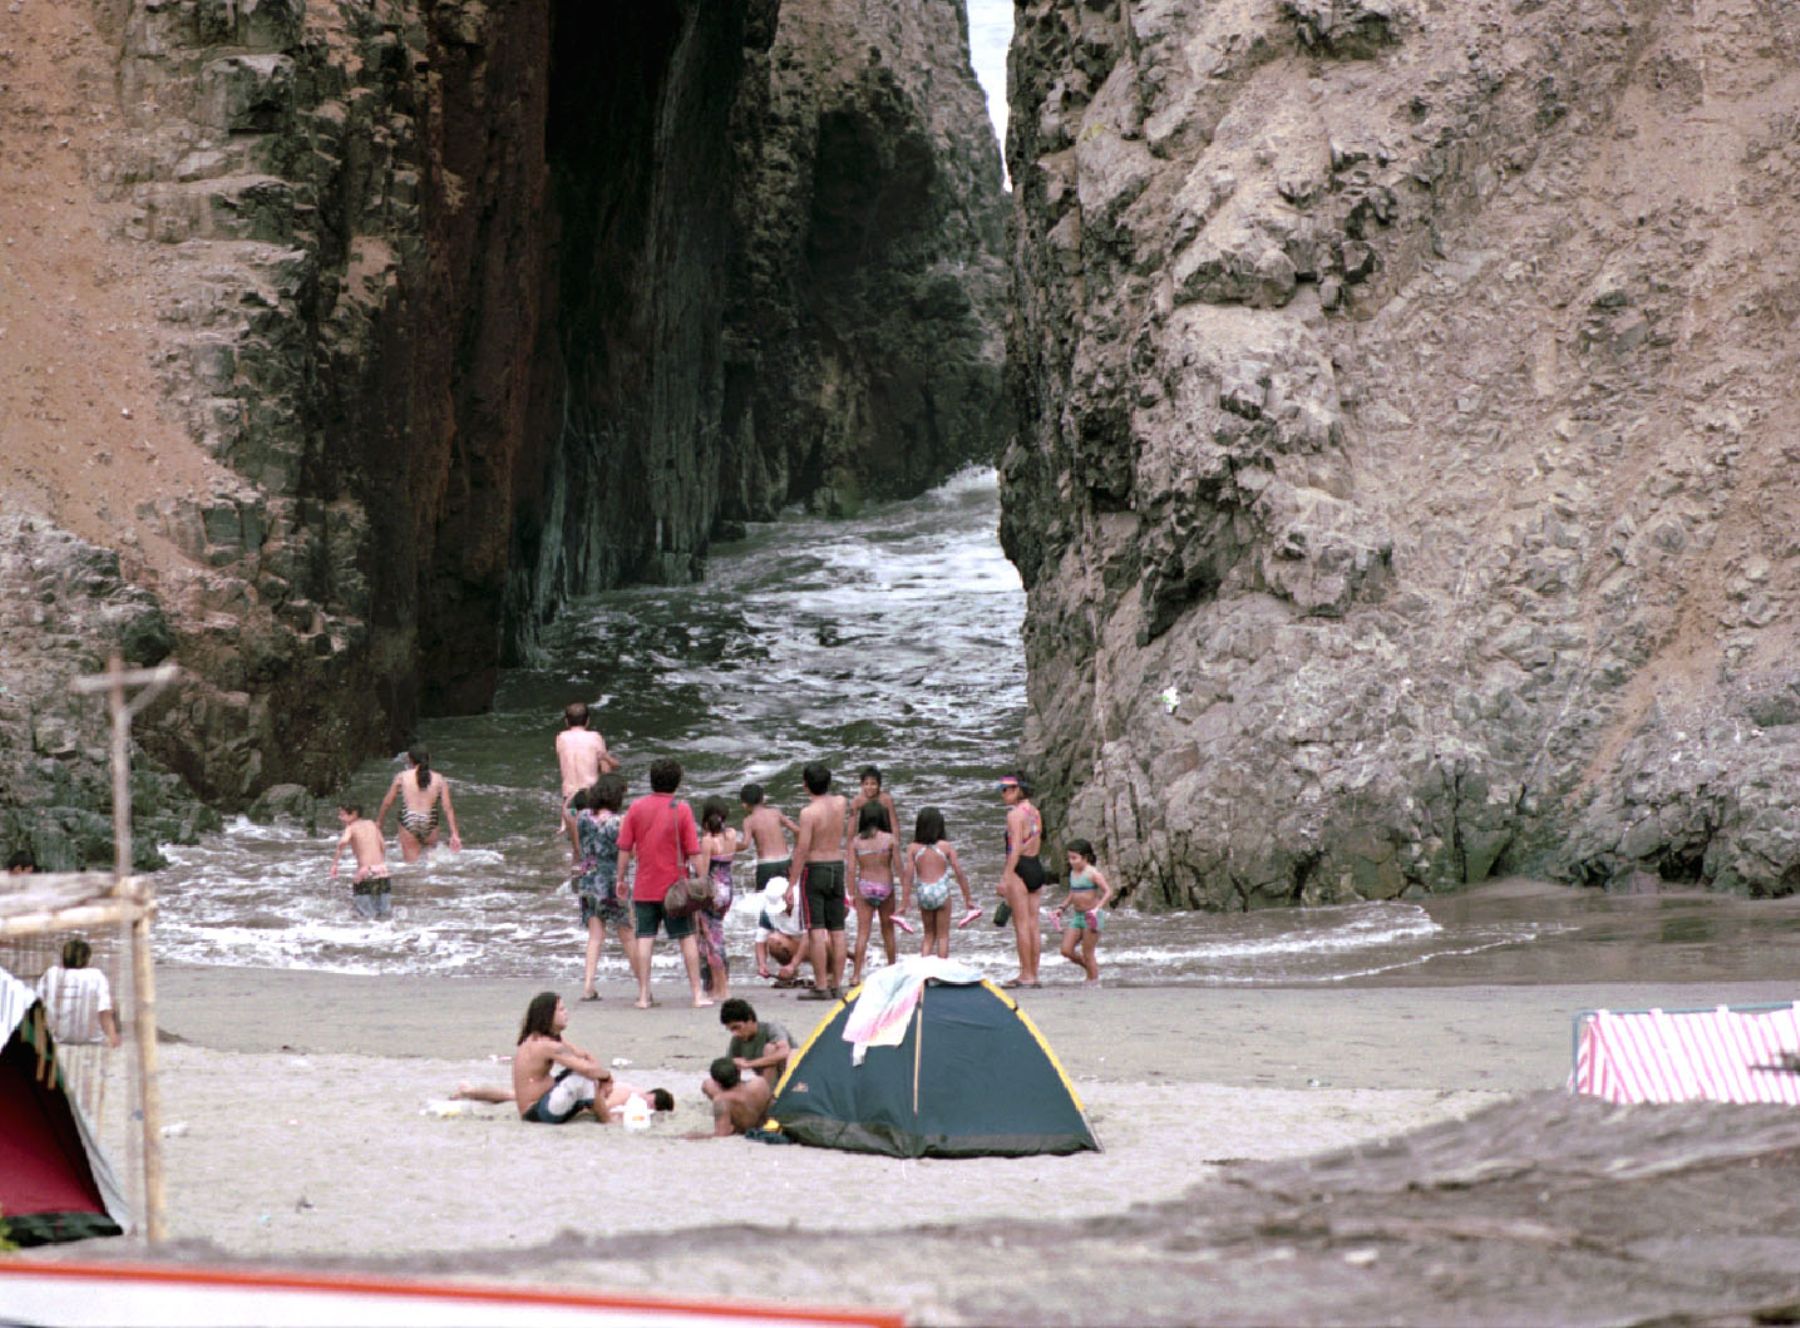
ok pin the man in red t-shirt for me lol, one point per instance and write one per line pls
(659, 832)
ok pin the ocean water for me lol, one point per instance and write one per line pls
(891, 640)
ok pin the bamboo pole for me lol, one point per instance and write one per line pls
(143, 969)
(71, 919)
(140, 890)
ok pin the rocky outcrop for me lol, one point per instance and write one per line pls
(469, 307)
(63, 608)
(1405, 474)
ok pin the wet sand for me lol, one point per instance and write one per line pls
(297, 1102)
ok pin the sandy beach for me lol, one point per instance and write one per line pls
(297, 1108)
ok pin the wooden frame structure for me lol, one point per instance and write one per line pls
(79, 901)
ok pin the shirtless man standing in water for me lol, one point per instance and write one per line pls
(582, 754)
(1023, 876)
(821, 850)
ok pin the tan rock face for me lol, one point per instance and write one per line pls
(1405, 480)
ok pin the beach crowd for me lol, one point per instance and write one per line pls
(654, 866)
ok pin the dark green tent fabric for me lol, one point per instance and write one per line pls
(971, 1079)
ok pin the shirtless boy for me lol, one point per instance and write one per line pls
(821, 848)
(582, 754)
(553, 1079)
(369, 889)
(870, 790)
(740, 1101)
(766, 827)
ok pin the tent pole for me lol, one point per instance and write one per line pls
(918, 1048)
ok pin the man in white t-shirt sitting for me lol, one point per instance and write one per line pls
(78, 999)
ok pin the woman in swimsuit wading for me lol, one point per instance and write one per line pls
(423, 798)
(877, 868)
(719, 844)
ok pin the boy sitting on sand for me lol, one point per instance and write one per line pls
(740, 1101)
(370, 892)
(554, 1080)
(762, 1046)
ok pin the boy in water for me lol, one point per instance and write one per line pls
(766, 828)
(821, 848)
(370, 893)
(582, 755)
(871, 791)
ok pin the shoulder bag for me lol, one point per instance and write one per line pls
(690, 893)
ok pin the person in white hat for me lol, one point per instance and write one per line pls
(779, 935)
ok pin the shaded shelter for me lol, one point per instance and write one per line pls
(971, 1076)
(55, 1182)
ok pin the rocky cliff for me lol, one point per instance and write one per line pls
(866, 324)
(1405, 481)
(454, 309)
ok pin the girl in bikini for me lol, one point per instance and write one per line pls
(877, 868)
(719, 844)
(930, 863)
(423, 797)
(1085, 909)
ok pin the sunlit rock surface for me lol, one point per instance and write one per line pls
(1405, 478)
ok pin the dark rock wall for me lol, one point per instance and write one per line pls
(63, 606)
(776, 277)
(865, 332)
(639, 218)
(1404, 482)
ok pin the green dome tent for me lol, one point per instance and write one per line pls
(971, 1077)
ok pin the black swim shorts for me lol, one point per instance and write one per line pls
(768, 871)
(825, 896)
(1031, 871)
(647, 916)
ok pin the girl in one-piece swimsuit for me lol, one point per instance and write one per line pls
(930, 852)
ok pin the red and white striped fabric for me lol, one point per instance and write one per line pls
(1720, 1055)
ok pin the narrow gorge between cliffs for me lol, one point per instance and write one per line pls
(1389, 400)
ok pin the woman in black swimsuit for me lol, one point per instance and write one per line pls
(1023, 876)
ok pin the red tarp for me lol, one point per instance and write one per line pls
(43, 1166)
